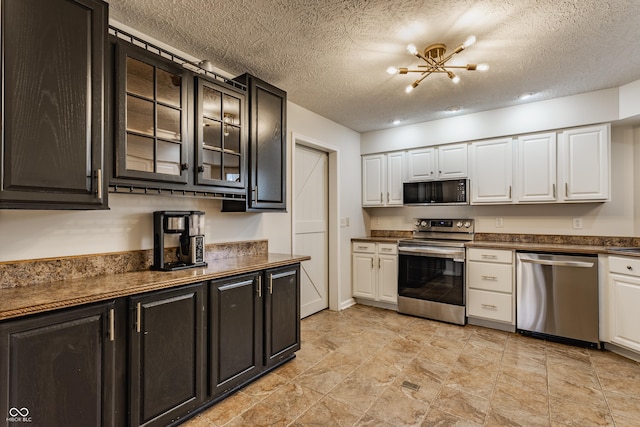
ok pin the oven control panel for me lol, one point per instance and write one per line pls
(444, 225)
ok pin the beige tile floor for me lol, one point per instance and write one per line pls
(352, 365)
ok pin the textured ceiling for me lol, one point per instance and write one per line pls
(331, 56)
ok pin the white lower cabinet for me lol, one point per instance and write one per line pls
(490, 288)
(375, 271)
(624, 302)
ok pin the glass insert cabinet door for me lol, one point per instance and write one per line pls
(151, 141)
(219, 135)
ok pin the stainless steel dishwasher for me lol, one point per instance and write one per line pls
(557, 296)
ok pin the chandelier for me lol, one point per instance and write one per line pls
(434, 56)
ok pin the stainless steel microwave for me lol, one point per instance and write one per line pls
(446, 192)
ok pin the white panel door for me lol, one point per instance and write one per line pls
(311, 226)
(452, 161)
(537, 167)
(585, 163)
(421, 164)
(491, 166)
(395, 167)
(373, 179)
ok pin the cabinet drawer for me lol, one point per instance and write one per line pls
(490, 305)
(490, 255)
(366, 247)
(629, 266)
(387, 248)
(490, 277)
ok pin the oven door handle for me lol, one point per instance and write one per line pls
(456, 254)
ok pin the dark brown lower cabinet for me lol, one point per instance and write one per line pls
(235, 331)
(281, 314)
(167, 357)
(58, 369)
(151, 359)
(254, 325)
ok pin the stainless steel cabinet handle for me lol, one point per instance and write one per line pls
(112, 324)
(491, 306)
(371, 262)
(554, 191)
(259, 286)
(378, 263)
(387, 197)
(489, 257)
(493, 278)
(99, 179)
(558, 263)
(381, 197)
(270, 284)
(138, 318)
(509, 191)
(566, 189)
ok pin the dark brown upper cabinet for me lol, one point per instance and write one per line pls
(220, 135)
(266, 189)
(175, 130)
(152, 132)
(53, 57)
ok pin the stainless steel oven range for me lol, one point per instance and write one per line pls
(431, 273)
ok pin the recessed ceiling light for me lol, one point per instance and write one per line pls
(526, 95)
(396, 122)
(453, 109)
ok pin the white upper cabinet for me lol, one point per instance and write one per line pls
(583, 164)
(452, 161)
(421, 164)
(491, 171)
(382, 176)
(536, 168)
(373, 180)
(443, 162)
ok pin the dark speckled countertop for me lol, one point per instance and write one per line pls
(610, 245)
(46, 296)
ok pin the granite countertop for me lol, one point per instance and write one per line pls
(377, 239)
(545, 243)
(42, 297)
(540, 247)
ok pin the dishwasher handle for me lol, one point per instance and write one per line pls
(580, 264)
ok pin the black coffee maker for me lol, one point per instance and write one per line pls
(186, 229)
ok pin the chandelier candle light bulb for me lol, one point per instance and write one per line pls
(435, 60)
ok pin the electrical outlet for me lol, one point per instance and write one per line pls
(577, 223)
(499, 222)
(376, 220)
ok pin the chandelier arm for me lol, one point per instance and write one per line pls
(424, 76)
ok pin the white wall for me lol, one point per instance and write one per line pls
(577, 110)
(307, 125)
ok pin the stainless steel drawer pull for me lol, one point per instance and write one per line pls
(138, 317)
(271, 284)
(362, 248)
(489, 257)
(385, 249)
(490, 306)
(579, 264)
(112, 324)
(259, 286)
(493, 278)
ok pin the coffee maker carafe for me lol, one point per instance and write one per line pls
(186, 229)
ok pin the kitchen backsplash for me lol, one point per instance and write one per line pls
(27, 272)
